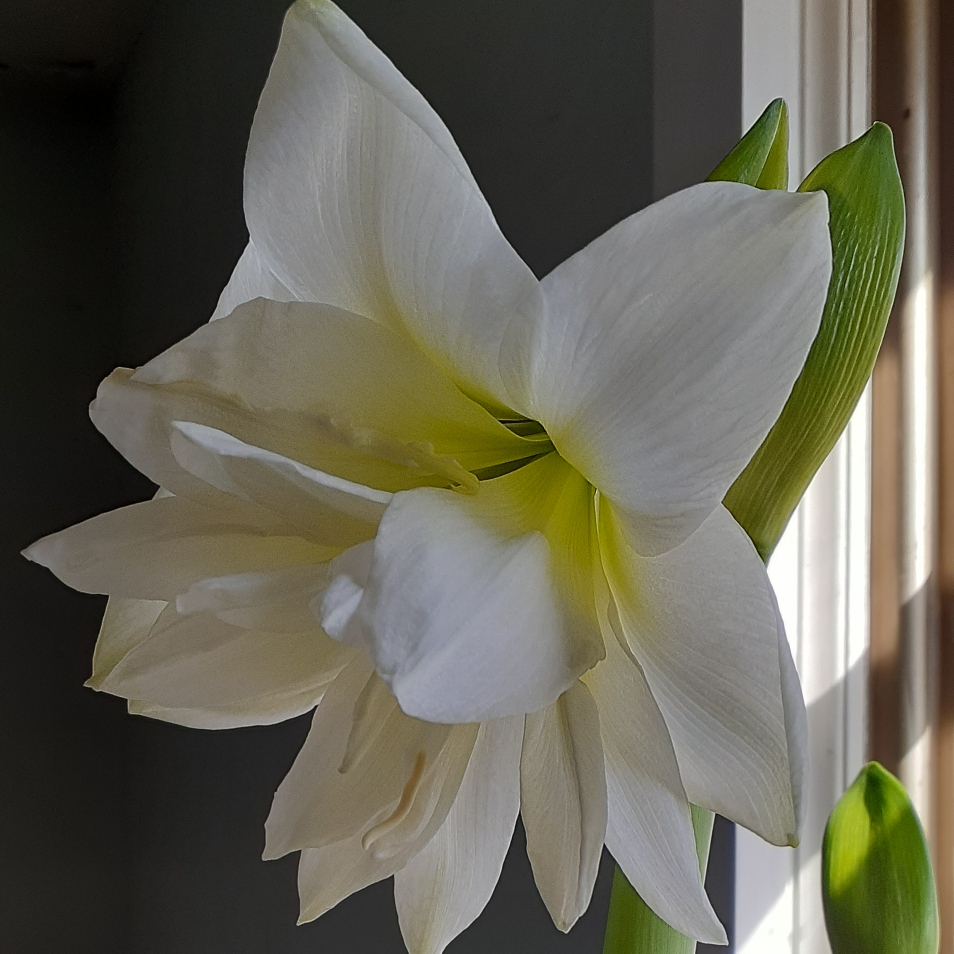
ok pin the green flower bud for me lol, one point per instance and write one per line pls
(866, 221)
(761, 157)
(877, 882)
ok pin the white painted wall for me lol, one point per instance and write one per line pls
(816, 54)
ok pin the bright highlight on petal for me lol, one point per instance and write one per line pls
(250, 279)
(670, 345)
(702, 622)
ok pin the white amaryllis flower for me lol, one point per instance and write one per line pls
(473, 517)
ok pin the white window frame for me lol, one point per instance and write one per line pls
(817, 55)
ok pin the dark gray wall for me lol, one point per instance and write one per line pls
(149, 835)
(63, 781)
(697, 89)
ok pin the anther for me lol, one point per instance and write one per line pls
(403, 807)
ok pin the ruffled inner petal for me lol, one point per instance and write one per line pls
(369, 771)
(326, 388)
(445, 886)
(479, 607)
(231, 653)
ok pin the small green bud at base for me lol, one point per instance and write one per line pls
(877, 882)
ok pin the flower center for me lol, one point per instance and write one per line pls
(534, 432)
(525, 427)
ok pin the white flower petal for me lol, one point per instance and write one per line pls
(671, 343)
(325, 508)
(359, 759)
(702, 622)
(328, 874)
(265, 710)
(276, 600)
(347, 578)
(649, 827)
(126, 623)
(331, 873)
(251, 278)
(200, 661)
(359, 198)
(563, 802)
(443, 889)
(479, 607)
(156, 549)
(326, 388)
(293, 821)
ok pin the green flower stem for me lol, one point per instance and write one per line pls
(866, 208)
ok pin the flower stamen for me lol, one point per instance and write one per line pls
(403, 807)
